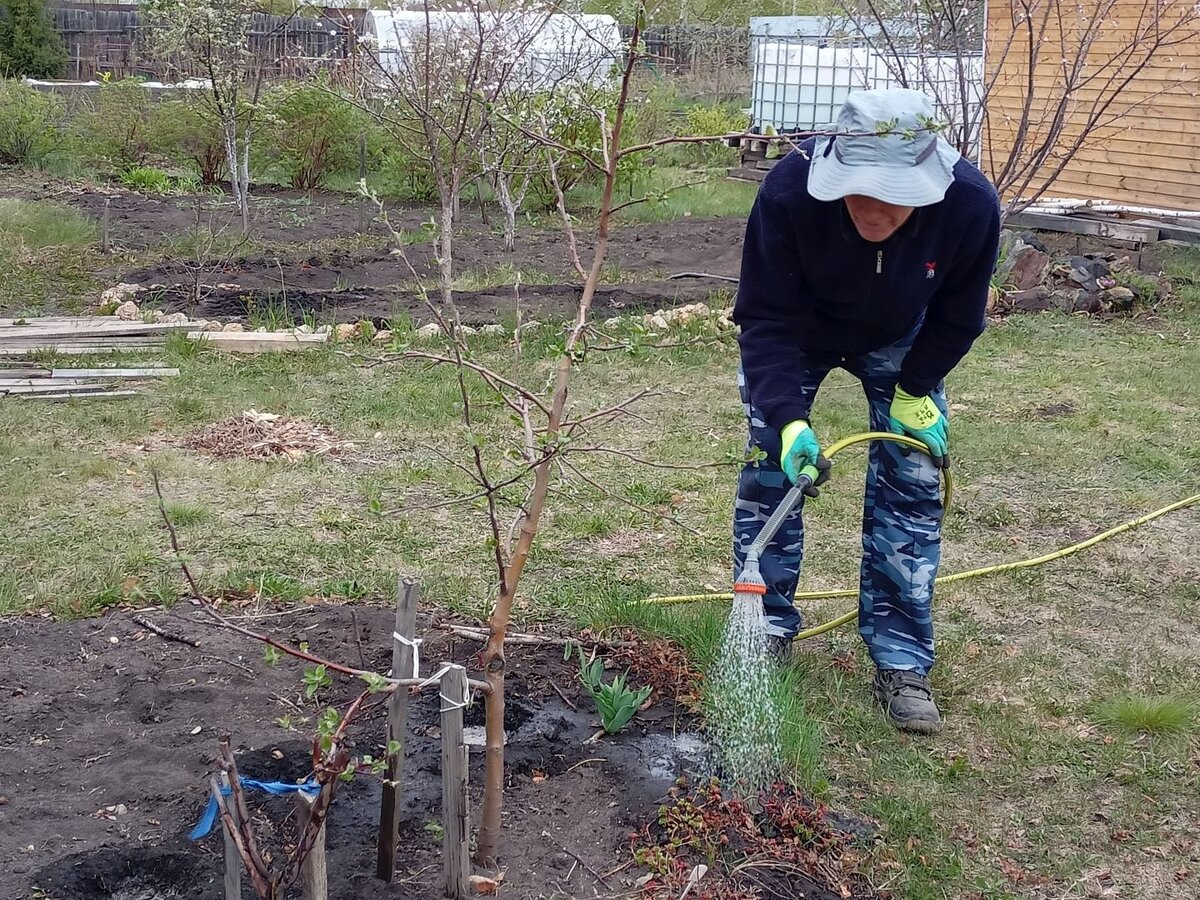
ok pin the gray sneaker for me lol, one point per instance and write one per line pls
(908, 699)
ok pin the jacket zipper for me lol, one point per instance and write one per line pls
(878, 262)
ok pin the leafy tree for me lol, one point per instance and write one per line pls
(29, 45)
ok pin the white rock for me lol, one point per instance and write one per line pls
(211, 325)
(234, 326)
(383, 336)
(658, 322)
(119, 293)
(128, 311)
(174, 319)
(324, 329)
(428, 332)
(467, 329)
(344, 332)
(614, 322)
(228, 286)
(304, 329)
(493, 328)
(156, 315)
(532, 323)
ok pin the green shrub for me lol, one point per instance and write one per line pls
(116, 128)
(30, 124)
(188, 135)
(313, 133)
(714, 119)
(29, 44)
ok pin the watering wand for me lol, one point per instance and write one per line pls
(751, 581)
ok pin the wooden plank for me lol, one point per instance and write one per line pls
(116, 327)
(314, 871)
(74, 349)
(75, 395)
(258, 342)
(15, 337)
(1119, 231)
(456, 819)
(35, 382)
(161, 372)
(1169, 230)
(408, 594)
(16, 370)
(77, 387)
(233, 859)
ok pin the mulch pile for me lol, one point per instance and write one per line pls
(255, 435)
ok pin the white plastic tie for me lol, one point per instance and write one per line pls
(415, 643)
(449, 703)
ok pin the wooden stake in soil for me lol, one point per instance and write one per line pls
(407, 595)
(105, 239)
(233, 859)
(456, 816)
(314, 874)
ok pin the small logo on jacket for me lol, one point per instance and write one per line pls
(931, 269)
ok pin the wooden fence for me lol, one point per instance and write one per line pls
(106, 38)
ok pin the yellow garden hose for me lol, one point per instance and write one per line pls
(948, 492)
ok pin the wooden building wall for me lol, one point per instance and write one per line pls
(1150, 154)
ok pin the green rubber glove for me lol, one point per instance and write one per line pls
(799, 452)
(919, 417)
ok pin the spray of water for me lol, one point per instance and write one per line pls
(743, 717)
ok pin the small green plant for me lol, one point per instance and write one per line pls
(327, 724)
(1163, 716)
(146, 179)
(272, 656)
(284, 722)
(616, 702)
(316, 678)
(270, 312)
(434, 828)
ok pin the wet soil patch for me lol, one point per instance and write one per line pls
(107, 748)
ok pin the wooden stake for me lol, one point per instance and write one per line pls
(105, 240)
(456, 816)
(314, 873)
(407, 595)
(362, 176)
(233, 859)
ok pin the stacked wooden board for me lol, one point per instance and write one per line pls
(105, 334)
(82, 334)
(36, 383)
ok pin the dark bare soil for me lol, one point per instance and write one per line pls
(89, 724)
(368, 282)
(108, 737)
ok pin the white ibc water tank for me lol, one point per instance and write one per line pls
(799, 87)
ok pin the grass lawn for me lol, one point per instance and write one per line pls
(1070, 764)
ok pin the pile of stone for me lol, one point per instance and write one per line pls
(1031, 280)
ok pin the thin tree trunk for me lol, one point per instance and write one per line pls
(492, 657)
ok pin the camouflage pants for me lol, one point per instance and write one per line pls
(901, 531)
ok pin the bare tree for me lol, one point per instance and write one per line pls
(214, 37)
(1049, 80)
(432, 85)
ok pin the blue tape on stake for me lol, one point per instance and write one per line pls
(277, 788)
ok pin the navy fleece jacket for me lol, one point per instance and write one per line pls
(810, 282)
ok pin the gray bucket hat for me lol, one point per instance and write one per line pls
(895, 168)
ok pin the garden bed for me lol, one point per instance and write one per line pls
(110, 734)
